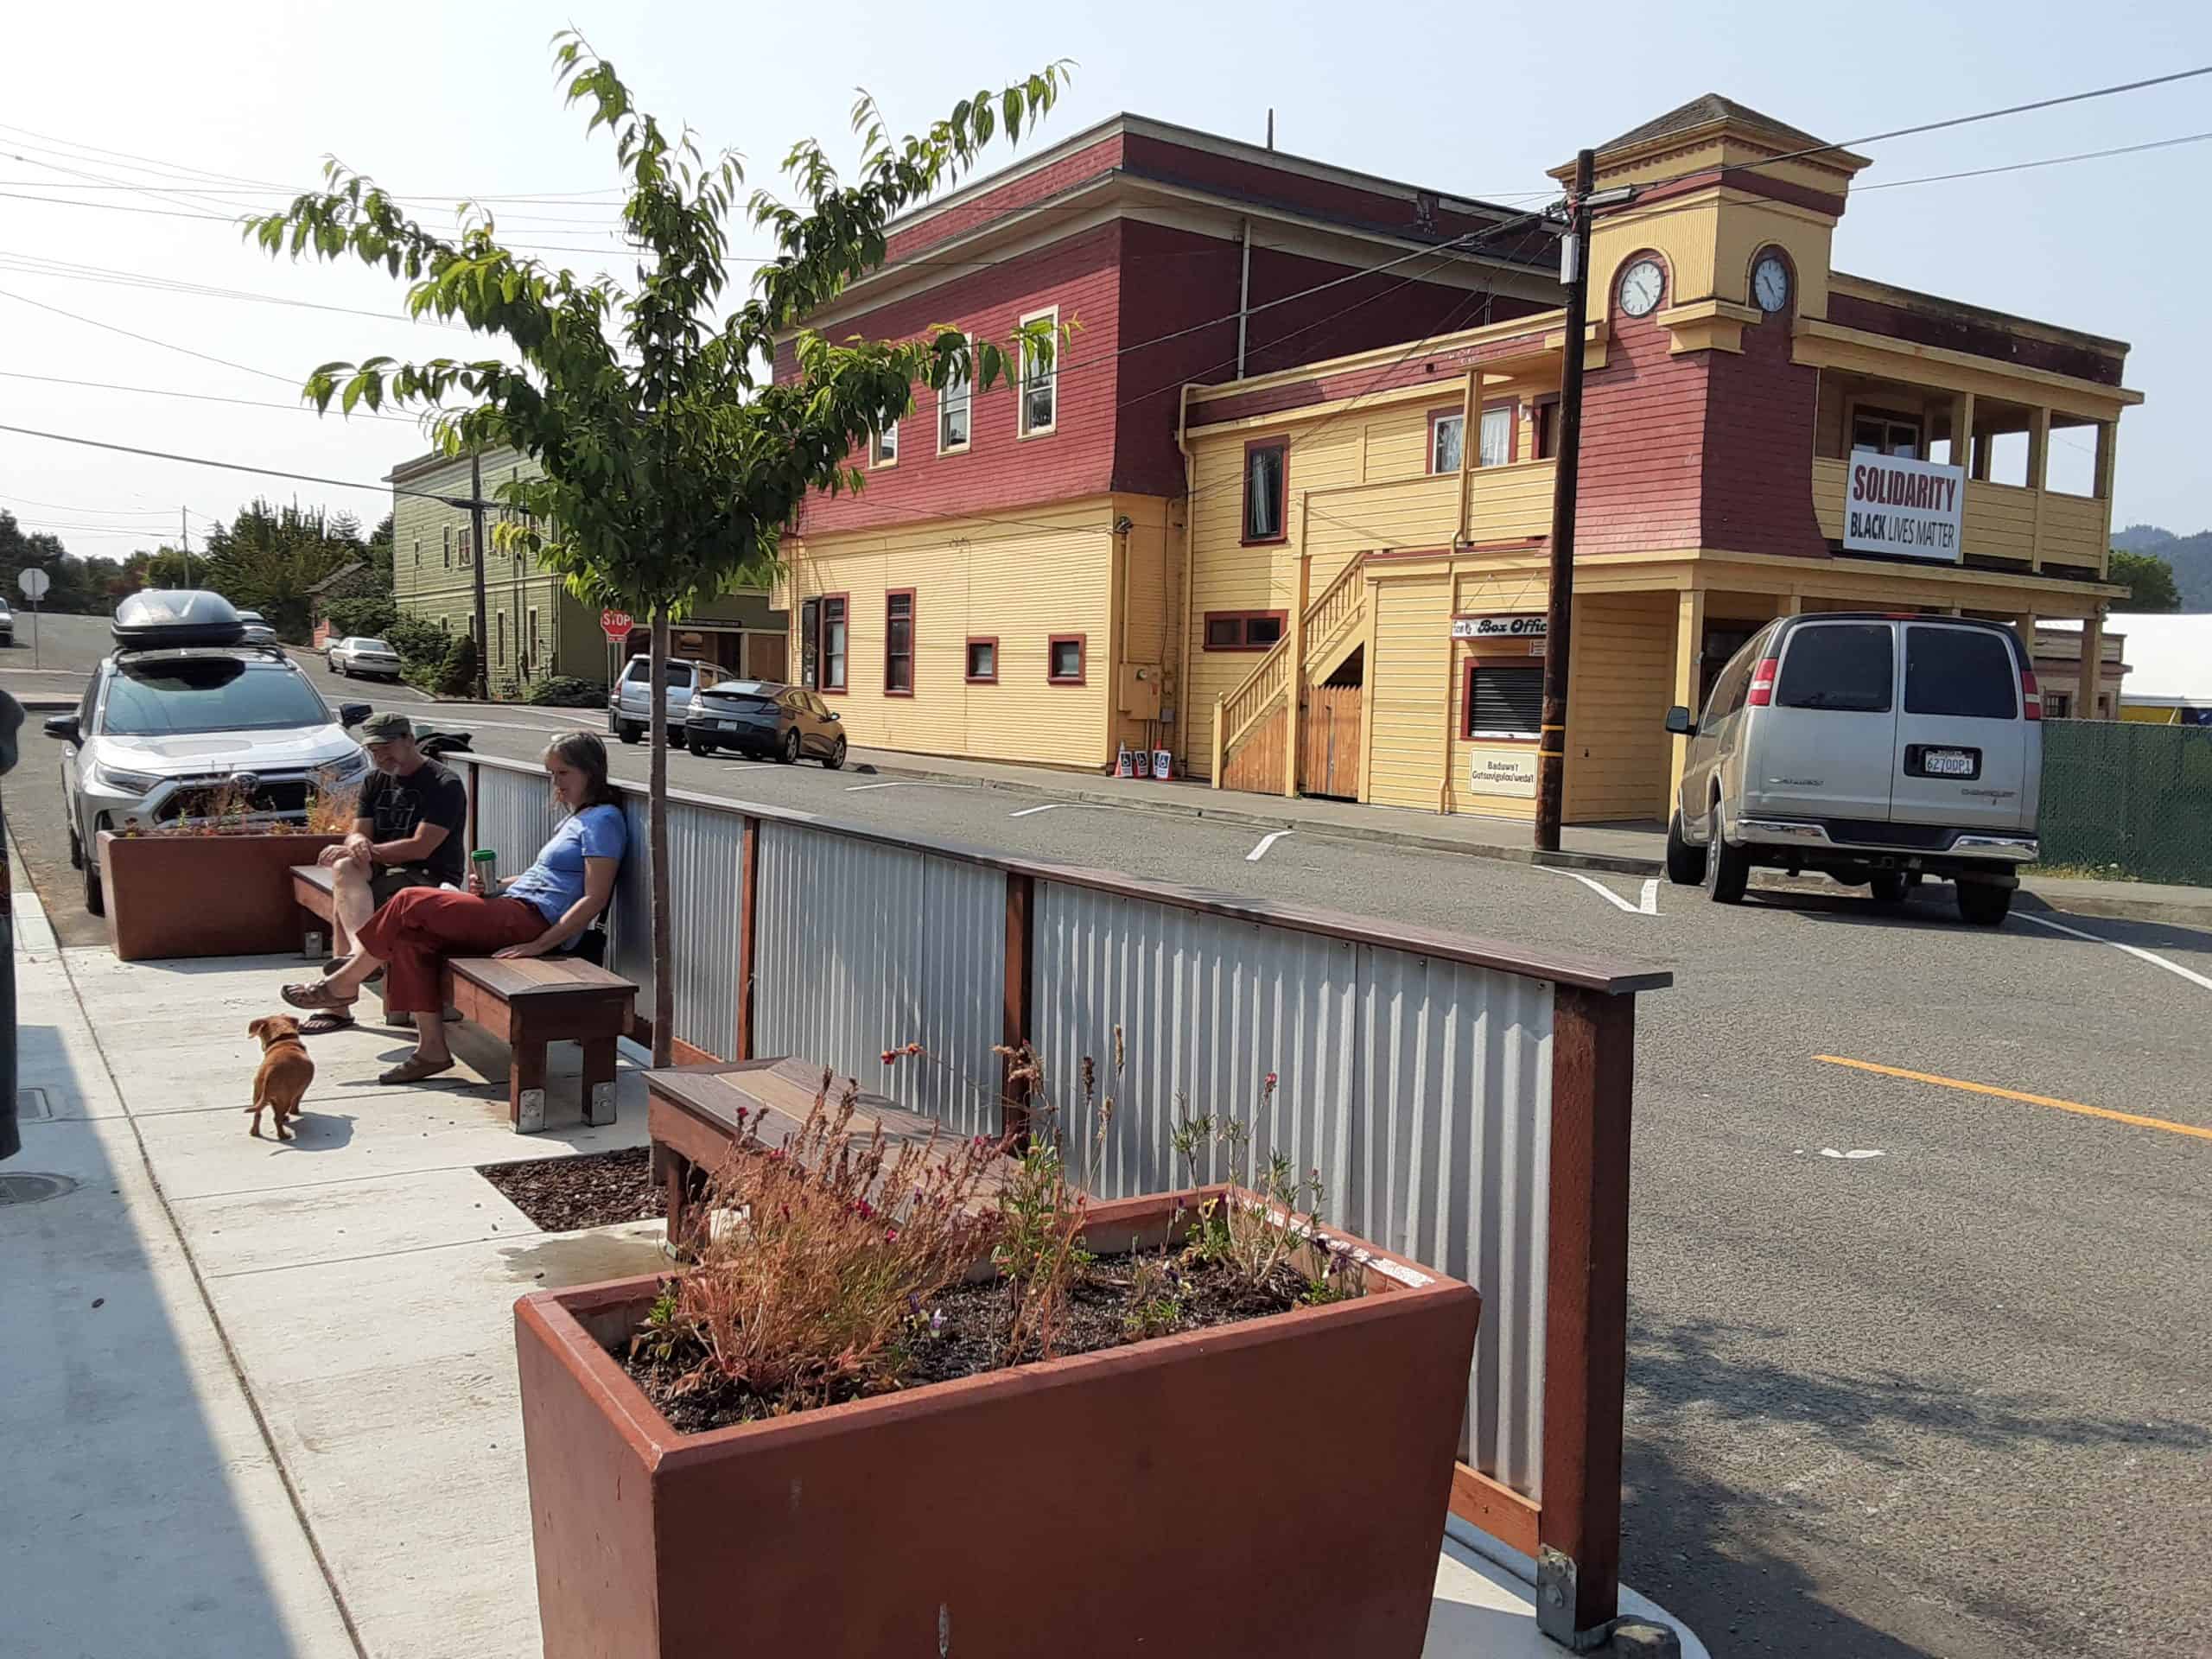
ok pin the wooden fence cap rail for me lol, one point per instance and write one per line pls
(1588, 973)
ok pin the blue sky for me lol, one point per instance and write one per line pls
(445, 99)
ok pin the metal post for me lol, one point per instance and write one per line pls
(1551, 748)
(476, 561)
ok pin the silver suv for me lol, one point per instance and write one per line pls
(629, 705)
(1876, 748)
(179, 713)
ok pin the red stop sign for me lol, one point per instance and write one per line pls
(616, 625)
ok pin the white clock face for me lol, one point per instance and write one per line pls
(1771, 284)
(1641, 286)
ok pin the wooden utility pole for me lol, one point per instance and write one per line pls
(1551, 747)
(476, 564)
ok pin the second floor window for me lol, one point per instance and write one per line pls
(1447, 435)
(1497, 436)
(883, 450)
(1041, 378)
(468, 547)
(447, 533)
(899, 644)
(954, 405)
(1266, 469)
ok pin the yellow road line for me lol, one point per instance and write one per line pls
(2014, 1094)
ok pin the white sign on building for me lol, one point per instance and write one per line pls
(1908, 509)
(1501, 627)
(1502, 772)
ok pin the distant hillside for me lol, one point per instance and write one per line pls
(2190, 556)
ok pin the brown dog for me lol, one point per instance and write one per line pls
(285, 1072)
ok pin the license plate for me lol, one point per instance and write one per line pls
(1947, 763)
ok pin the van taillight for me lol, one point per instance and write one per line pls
(2031, 697)
(1762, 692)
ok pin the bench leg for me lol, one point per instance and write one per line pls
(599, 1080)
(676, 1177)
(526, 1085)
(311, 935)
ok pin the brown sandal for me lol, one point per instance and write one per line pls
(318, 997)
(416, 1070)
(321, 1025)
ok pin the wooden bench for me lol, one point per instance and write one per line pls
(528, 1002)
(691, 1114)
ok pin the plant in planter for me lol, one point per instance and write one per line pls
(157, 878)
(882, 1369)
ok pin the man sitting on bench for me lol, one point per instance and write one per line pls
(534, 914)
(408, 828)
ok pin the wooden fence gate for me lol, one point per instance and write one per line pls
(1329, 763)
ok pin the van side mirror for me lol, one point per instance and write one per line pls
(1680, 723)
(352, 713)
(63, 726)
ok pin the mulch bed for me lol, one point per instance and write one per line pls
(972, 1335)
(595, 1189)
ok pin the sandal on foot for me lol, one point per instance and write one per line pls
(329, 1019)
(318, 997)
(415, 1071)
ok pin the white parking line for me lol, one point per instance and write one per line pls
(1650, 906)
(908, 783)
(2152, 957)
(1031, 812)
(1266, 841)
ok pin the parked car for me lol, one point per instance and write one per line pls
(184, 707)
(7, 624)
(354, 656)
(1876, 748)
(761, 717)
(629, 708)
(257, 632)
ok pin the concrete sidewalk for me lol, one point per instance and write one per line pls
(1637, 850)
(262, 1400)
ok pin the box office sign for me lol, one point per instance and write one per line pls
(1502, 772)
(1907, 509)
(1500, 627)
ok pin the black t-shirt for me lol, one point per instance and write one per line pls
(430, 794)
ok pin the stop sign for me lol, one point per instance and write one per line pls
(616, 625)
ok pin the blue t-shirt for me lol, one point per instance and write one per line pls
(557, 880)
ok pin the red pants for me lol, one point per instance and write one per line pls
(414, 931)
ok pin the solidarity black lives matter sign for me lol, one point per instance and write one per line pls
(1909, 509)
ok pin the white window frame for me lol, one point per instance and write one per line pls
(1436, 426)
(883, 449)
(1503, 414)
(965, 403)
(1051, 377)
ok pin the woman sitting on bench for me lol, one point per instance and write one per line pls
(534, 914)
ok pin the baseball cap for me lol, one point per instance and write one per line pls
(386, 727)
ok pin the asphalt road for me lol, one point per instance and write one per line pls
(1915, 1370)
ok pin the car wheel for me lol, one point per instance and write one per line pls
(1984, 903)
(789, 753)
(696, 744)
(835, 758)
(1889, 886)
(76, 849)
(1727, 869)
(1685, 863)
(629, 732)
(95, 900)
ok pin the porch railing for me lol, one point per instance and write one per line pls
(1466, 1101)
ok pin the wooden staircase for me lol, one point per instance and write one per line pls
(1252, 735)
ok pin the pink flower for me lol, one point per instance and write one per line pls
(1271, 1080)
(889, 1055)
(891, 1235)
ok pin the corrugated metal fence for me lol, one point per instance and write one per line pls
(1415, 1072)
(2132, 798)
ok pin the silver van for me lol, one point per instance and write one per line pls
(629, 703)
(1876, 748)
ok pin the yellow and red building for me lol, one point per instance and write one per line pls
(1329, 573)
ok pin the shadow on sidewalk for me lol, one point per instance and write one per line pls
(123, 1530)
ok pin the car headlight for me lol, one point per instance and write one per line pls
(346, 769)
(125, 783)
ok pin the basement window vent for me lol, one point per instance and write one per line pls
(32, 1104)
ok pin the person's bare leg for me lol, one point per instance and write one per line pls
(351, 898)
(346, 983)
(430, 1038)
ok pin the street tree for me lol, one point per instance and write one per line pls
(271, 559)
(2148, 578)
(671, 458)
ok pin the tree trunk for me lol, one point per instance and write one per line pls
(657, 841)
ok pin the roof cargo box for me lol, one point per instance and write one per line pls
(175, 616)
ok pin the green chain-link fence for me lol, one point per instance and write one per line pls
(2133, 796)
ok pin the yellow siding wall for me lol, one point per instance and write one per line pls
(1618, 757)
(1023, 582)
(1491, 594)
(1150, 613)
(1412, 660)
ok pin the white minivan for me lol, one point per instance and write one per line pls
(1876, 748)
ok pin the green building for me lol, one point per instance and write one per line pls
(536, 628)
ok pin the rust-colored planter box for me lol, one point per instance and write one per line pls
(203, 895)
(1276, 1487)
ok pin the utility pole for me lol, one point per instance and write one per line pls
(476, 564)
(1551, 747)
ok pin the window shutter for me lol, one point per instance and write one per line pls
(1506, 700)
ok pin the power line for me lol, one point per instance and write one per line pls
(70, 270)
(2048, 161)
(147, 339)
(107, 512)
(197, 397)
